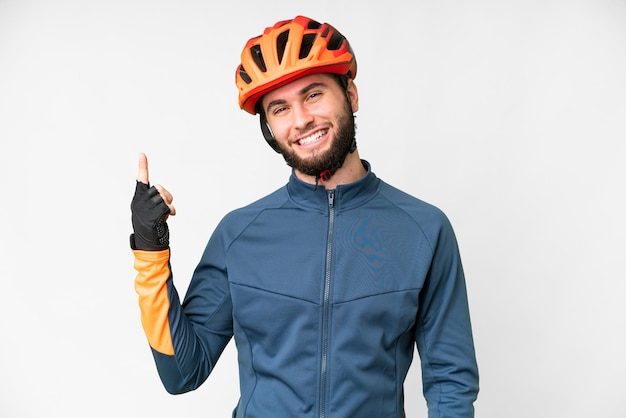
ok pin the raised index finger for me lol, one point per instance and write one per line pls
(143, 169)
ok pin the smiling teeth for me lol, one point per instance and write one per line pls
(311, 138)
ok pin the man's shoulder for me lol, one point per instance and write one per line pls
(408, 202)
(425, 215)
(250, 211)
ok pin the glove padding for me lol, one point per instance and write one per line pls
(149, 213)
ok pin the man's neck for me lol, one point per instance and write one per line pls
(350, 171)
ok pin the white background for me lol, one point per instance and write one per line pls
(508, 115)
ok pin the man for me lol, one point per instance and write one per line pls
(325, 284)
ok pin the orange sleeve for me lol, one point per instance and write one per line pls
(151, 286)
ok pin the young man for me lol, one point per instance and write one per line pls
(328, 283)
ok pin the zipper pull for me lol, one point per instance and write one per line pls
(331, 198)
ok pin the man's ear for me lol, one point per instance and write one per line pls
(353, 95)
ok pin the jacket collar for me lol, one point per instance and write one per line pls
(346, 195)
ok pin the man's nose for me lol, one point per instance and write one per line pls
(302, 118)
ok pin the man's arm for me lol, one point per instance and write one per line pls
(444, 336)
(184, 352)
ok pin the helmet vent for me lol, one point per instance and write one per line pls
(335, 41)
(257, 56)
(314, 25)
(244, 75)
(306, 45)
(281, 43)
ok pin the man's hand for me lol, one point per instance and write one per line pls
(150, 209)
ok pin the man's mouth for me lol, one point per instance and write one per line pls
(312, 138)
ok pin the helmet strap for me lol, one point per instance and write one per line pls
(325, 175)
(267, 133)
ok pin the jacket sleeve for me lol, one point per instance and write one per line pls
(186, 339)
(444, 336)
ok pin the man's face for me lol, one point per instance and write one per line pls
(312, 121)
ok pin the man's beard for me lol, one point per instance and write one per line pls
(331, 159)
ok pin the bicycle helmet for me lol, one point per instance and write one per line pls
(289, 50)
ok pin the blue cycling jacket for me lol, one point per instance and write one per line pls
(325, 292)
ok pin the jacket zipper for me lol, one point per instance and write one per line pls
(326, 305)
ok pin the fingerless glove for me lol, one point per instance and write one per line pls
(149, 213)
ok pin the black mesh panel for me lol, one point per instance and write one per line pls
(257, 56)
(281, 42)
(306, 45)
(244, 75)
(335, 41)
(314, 25)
